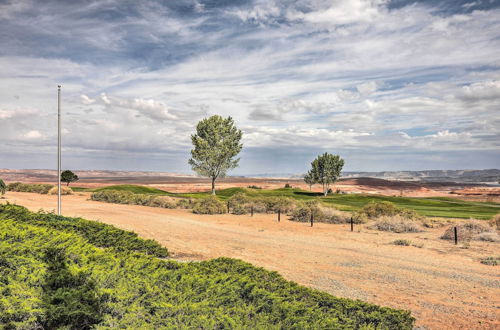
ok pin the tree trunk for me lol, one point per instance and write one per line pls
(325, 190)
(67, 184)
(213, 186)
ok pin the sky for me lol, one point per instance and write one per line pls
(387, 85)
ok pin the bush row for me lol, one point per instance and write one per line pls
(40, 188)
(127, 197)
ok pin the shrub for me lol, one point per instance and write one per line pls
(254, 187)
(377, 209)
(467, 231)
(321, 213)
(495, 222)
(491, 261)
(273, 204)
(402, 242)
(488, 237)
(39, 188)
(287, 185)
(239, 203)
(64, 191)
(3, 187)
(185, 203)
(396, 224)
(209, 205)
(163, 202)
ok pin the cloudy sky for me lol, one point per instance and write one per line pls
(388, 85)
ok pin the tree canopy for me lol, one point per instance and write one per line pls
(68, 177)
(325, 170)
(216, 144)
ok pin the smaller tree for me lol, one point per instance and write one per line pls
(309, 179)
(3, 187)
(68, 177)
(326, 170)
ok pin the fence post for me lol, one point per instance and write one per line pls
(251, 210)
(352, 224)
(279, 214)
(228, 207)
(312, 218)
(456, 235)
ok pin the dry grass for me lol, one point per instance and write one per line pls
(396, 224)
(495, 222)
(64, 191)
(470, 230)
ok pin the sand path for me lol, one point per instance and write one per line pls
(445, 286)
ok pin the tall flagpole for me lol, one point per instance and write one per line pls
(59, 149)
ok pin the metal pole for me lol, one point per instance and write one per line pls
(59, 149)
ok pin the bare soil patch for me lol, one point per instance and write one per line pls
(445, 286)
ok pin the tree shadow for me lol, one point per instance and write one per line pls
(70, 300)
(308, 193)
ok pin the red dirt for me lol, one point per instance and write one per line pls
(445, 286)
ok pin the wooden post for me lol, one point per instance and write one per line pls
(312, 218)
(279, 214)
(456, 235)
(227, 206)
(352, 224)
(251, 210)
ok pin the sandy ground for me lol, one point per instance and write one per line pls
(445, 286)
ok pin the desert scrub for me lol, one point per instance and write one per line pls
(64, 191)
(491, 261)
(39, 188)
(209, 205)
(239, 203)
(50, 269)
(273, 204)
(396, 224)
(470, 230)
(495, 222)
(402, 242)
(185, 203)
(488, 237)
(374, 210)
(321, 213)
(127, 197)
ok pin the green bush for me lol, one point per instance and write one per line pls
(273, 204)
(402, 242)
(52, 275)
(39, 188)
(209, 205)
(254, 187)
(377, 209)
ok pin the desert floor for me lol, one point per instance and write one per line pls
(445, 286)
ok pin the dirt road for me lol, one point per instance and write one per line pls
(445, 286)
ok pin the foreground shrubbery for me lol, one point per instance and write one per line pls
(374, 210)
(396, 224)
(40, 188)
(52, 275)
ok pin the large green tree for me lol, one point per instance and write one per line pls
(216, 144)
(68, 177)
(325, 170)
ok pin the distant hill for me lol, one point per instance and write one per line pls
(459, 176)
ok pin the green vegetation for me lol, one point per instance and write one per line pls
(431, 207)
(67, 176)
(470, 230)
(491, 261)
(209, 205)
(39, 188)
(3, 187)
(402, 242)
(325, 170)
(58, 272)
(216, 144)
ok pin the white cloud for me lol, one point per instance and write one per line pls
(34, 134)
